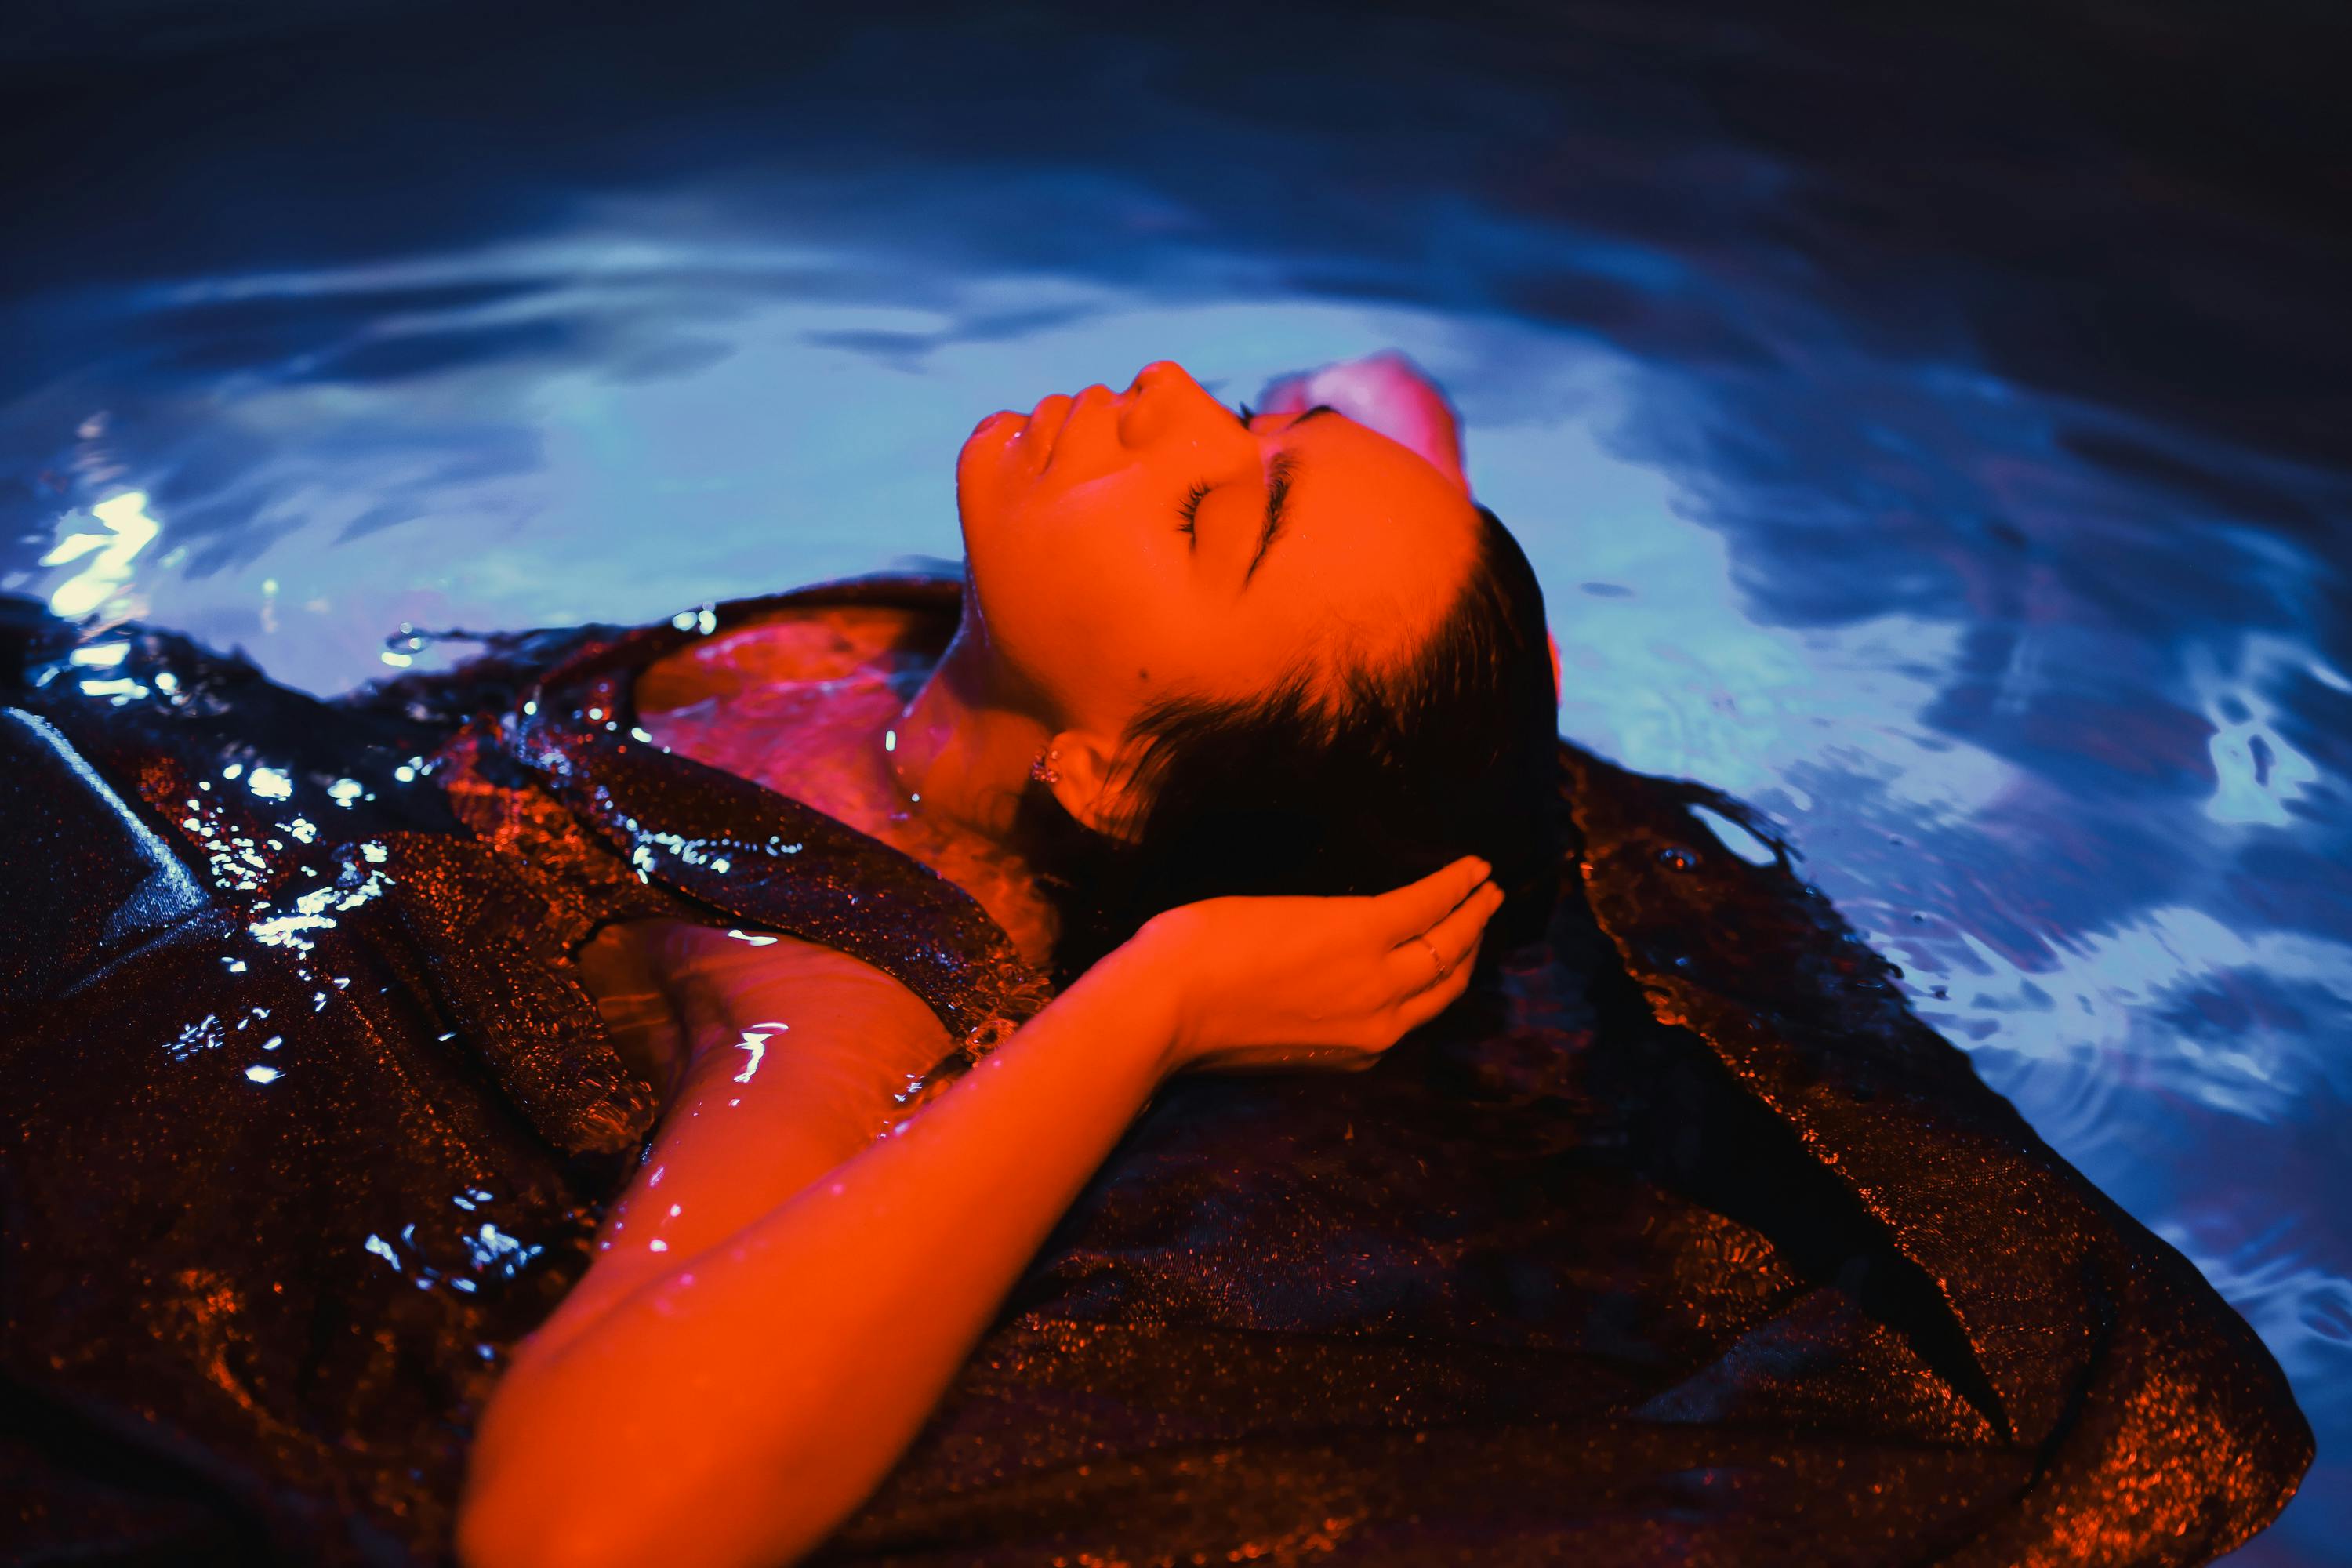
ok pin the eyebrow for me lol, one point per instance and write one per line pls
(1245, 413)
(1277, 491)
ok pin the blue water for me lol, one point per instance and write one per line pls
(1934, 437)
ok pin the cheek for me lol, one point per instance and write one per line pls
(1087, 620)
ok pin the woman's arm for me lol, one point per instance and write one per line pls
(733, 1406)
(787, 1059)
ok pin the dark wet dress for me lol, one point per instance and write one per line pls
(1683, 1242)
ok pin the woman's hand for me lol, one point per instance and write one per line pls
(1384, 392)
(1260, 983)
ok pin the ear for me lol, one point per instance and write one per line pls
(1093, 782)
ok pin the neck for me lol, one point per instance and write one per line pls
(963, 751)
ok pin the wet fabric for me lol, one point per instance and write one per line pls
(1682, 1241)
(307, 1117)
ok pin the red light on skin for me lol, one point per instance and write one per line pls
(1162, 533)
(1551, 646)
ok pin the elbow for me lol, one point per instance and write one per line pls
(566, 1527)
(573, 1471)
(555, 1506)
(575, 1529)
(537, 1497)
(513, 1527)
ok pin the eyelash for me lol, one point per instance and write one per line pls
(1191, 507)
(1198, 493)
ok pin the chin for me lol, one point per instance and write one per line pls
(980, 478)
(984, 491)
(985, 561)
(984, 599)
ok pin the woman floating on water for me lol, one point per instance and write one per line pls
(849, 1073)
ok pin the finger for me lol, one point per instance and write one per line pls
(1455, 936)
(1428, 957)
(1407, 912)
(1420, 1009)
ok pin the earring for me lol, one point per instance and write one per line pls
(1042, 769)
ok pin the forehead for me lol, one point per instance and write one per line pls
(1372, 533)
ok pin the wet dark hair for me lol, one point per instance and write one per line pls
(1454, 754)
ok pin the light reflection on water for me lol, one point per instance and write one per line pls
(2062, 729)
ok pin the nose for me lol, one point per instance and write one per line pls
(1159, 373)
(1163, 399)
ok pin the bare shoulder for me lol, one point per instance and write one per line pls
(791, 1057)
(723, 981)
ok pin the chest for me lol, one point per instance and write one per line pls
(805, 706)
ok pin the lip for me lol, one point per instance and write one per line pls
(1052, 433)
(1061, 426)
(1053, 437)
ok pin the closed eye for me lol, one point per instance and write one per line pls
(1190, 511)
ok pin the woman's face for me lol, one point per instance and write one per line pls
(1126, 547)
